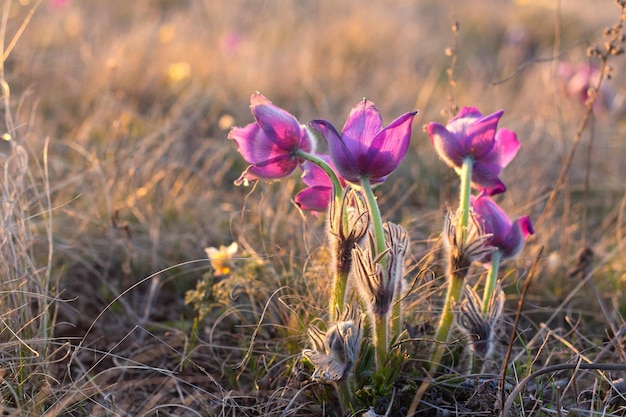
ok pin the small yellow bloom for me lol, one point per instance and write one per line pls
(178, 71)
(221, 258)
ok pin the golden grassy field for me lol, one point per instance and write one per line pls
(117, 174)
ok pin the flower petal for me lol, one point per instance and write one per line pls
(278, 167)
(363, 123)
(313, 175)
(278, 125)
(459, 123)
(253, 144)
(446, 144)
(494, 219)
(341, 156)
(514, 241)
(387, 148)
(480, 136)
(485, 177)
(315, 199)
(505, 148)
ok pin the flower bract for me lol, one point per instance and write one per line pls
(335, 351)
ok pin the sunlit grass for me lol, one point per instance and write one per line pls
(118, 175)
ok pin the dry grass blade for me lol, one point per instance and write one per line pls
(554, 368)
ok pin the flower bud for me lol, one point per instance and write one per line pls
(336, 350)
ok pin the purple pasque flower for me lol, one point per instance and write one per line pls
(472, 135)
(506, 236)
(317, 195)
(270, 145)
(577, 80)
(364, 148)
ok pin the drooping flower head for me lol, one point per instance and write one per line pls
(472, 135)
(364, 148)
(508, 237)
(271, 143)
(317, 195)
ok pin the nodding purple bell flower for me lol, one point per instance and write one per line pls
(316, 196)
(508, 237)
(472, 135)
(364, 148)
(270, 145)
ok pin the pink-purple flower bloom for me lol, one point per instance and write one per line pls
(472, 135)
(317, 195)
(508, 237)
(578, 79)
(364, 148)
(270, 145)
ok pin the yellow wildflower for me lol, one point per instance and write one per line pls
(221, 258)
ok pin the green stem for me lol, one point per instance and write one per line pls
(492, 280)
(338, 297)
(375, 217)
(464, 201)
(334, 179)
(476, 364)
(345, 394)
(456, 280)
(396, 317)
(380, 323)
(456, 268)
(380, 336)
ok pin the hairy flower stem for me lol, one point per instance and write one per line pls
(380, 336)
(345, 394)
(464, 200)
(492, 280)
(338, 295)
(458, 267)
(375, 218)
(396, 318)
(337, 188)
(380, 322)
(456, 279)
(340, 283)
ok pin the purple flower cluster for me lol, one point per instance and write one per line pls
(470, 135)
(368, 254)
(276, 144)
